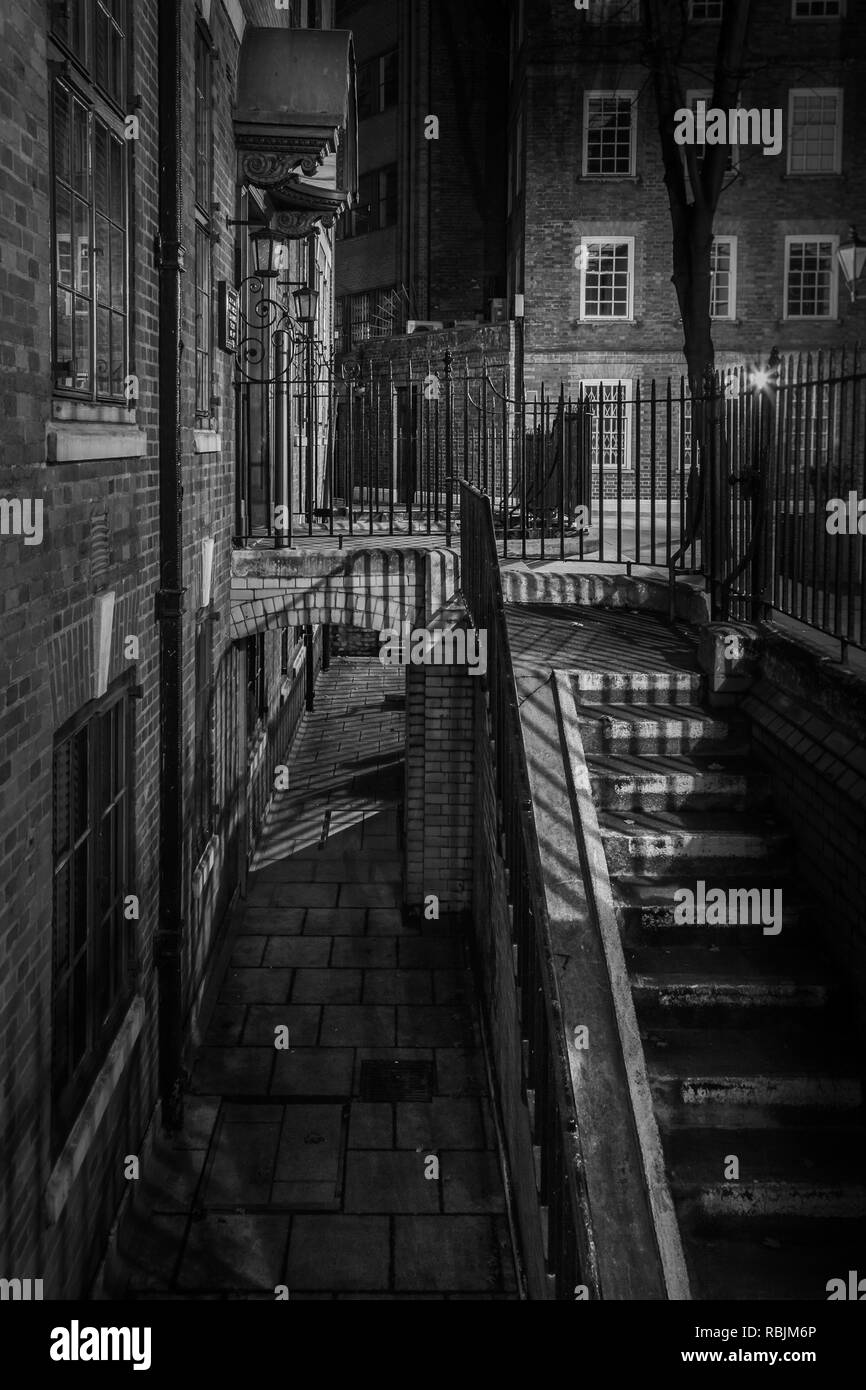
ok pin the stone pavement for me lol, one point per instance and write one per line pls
(304, 1166)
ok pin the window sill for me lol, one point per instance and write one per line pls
(64, 408)
(609, 178)
(75, 441)
(83, 1134)
(207, 442)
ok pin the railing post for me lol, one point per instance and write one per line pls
(282, 494)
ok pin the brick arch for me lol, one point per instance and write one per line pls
(371, 588)
(372, 612)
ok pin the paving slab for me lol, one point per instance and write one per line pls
(283, 1174)
(327, 986)
(383, 1181)
(340, 1252)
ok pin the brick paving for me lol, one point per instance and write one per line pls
(291, 1171)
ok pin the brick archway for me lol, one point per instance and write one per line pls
(370, 588)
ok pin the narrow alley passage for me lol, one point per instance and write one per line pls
(313, 1166)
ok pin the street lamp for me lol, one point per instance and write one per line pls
(306, 303)
(269, 252)
(852, 259)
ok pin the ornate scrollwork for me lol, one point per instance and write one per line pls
(262, 317)
(266, 170)
(294, 224)
(268, 161)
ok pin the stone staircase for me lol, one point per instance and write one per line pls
(745, 1032)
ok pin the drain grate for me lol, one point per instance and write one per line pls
(397, 1080)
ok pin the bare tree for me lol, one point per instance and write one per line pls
(665, 28)
(664, 31)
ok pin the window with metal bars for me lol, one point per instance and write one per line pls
(92, 850)
(370, 314)
(610, 423)
(89, 200)
(811, 444)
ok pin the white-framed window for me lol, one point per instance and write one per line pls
(609, 121)
(811, 282)
(815, 130)
(705, 10)
(686, 431)
(606, 277)
(610, 421)
(817, 9)
(613, 12)
(723, 277)
(809, 426)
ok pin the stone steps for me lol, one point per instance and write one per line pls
(619, 729)
(675, 782)
(700, 844)
(646, 687)
(743, 1029)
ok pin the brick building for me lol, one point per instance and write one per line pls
(141, 146)
(589, 230)
(585, 220)
(425, 240)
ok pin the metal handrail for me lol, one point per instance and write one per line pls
(562, 1187)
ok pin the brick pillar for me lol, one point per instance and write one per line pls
(439, 812)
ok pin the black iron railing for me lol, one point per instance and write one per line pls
(734, 484)
(808, 543)
(561, 1185)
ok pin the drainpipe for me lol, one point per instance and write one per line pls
(169, 599)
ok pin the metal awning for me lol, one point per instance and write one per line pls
(295, 121)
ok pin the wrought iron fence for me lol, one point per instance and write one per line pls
(734, 484)
(802, 550)
(561, 1182)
